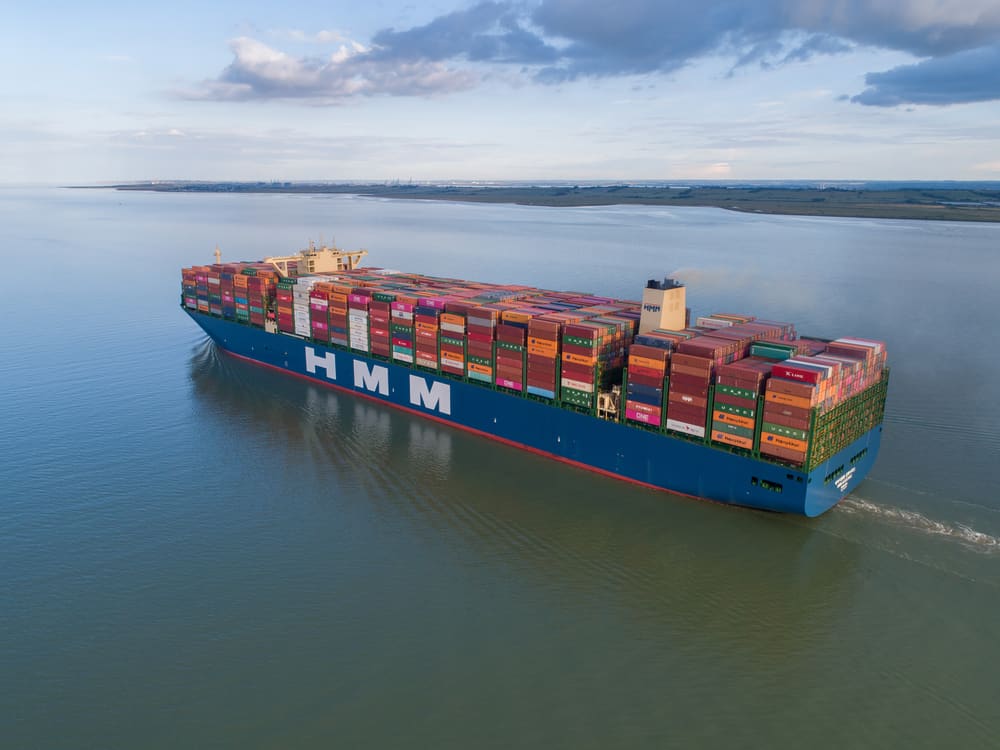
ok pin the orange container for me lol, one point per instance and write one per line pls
(739, 442)
(769, 438)
(733, 419)
(784, 398)
(650, 364)
(546, 345)
(481, 369)
(579, 359)
(542, 353)
(515, 317)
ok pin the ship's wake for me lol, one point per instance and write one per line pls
(977, 541)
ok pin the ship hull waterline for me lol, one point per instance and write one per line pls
(652, 459)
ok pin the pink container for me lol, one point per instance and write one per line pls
(638, 416)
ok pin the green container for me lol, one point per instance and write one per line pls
(772, 350)
(511, 347)
(481, 361)
(397, 328)
(578, 398)
(258, 310)
(739, 411)
(401, 349)
(480, 377)
(452, 341)
(743, 432)
(287, 284)
(577, 341)
(383, 297)
(740, 392)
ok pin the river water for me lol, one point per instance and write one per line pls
(197, 552)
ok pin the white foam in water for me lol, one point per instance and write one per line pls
(969, 537)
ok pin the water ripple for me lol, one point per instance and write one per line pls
(977, 541)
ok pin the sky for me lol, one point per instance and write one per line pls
(628, 90)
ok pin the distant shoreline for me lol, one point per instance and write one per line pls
(925, 203)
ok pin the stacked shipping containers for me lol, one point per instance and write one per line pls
(358, 301)
(452, 342)
(511, 349)
(480, 328)
(380, 317)
(401, 328)
(708, 381)
(427, 325)
(647, 373)
(543, 356)
(738, 386)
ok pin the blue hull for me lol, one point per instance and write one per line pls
(678, 465)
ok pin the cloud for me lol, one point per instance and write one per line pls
(319, 37)
(637, 36)
(968, 76)
(261, 72)
(554, 41)
(488, 31)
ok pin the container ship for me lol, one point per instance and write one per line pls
(726, 407)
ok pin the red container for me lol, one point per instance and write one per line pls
(725, 398)
(773, 410)
(688, 399)
(689, 383)
(636, 370)
(800, 374)
(649, 352)
(794, 457)
(795, 422)
(577, 372)
(637, 379)
(689, 414)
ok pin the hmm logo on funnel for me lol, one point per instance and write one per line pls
(844, 479)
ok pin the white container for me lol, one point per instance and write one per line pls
(687, 429)
(578, 385)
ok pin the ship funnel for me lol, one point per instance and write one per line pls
(664, 305)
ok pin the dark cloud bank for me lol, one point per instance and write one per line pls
(564, 40)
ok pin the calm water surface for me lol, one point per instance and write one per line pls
(197, 552)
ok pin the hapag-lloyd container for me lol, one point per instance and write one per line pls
(734, 409)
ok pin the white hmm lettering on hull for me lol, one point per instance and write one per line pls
(438, 396)
(374, 379)
(328, 362)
